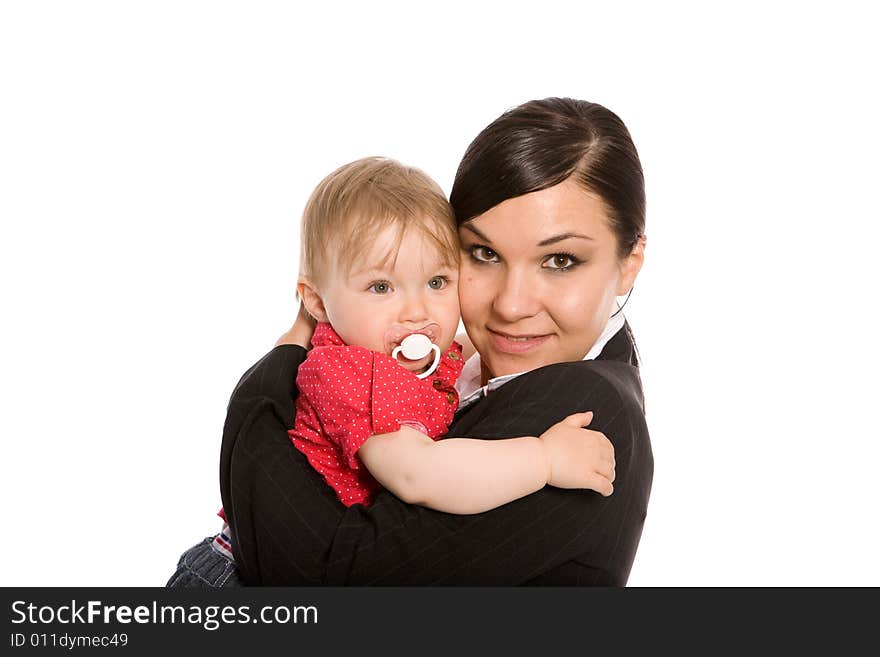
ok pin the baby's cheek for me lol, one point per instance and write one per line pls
(373, 336)
(452, 301)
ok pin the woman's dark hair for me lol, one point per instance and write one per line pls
(540, 144)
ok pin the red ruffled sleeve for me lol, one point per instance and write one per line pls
(335, 383)
(356, 393)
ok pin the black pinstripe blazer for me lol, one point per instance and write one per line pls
(288, 528)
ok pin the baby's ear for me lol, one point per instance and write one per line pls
(311, 299)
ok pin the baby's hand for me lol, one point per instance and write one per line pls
(301, 331)
(577, 457)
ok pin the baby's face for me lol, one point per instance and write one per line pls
(378, 304)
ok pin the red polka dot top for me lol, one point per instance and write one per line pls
(347, 394)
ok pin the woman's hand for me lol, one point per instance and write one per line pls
(301, 331)
(578, 457)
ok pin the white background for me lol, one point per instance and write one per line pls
(155, 158)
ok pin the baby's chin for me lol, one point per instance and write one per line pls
(417, 366)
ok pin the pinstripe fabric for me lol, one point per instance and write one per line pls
(288, 528)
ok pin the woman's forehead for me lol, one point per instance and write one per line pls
(542, 218)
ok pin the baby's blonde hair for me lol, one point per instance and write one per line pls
(351, 206)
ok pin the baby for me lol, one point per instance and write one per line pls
(379, 273)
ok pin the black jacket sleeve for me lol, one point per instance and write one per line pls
(288, 527)
(281, 513)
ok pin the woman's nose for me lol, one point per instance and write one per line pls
(515, 297)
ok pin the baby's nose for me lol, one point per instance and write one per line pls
(415, 309)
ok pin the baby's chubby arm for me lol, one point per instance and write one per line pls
(465, 476)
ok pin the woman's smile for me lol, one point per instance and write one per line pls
(516, 343)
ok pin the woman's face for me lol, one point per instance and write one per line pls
(539, 277)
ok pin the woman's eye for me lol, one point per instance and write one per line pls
(380, 287)
(438, 282)
(483, 254)
(560, 262)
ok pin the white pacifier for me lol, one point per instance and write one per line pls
(416, 347)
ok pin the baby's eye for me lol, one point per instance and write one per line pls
(560, 262)
(438, 282)
(483, 254)
(380, 287)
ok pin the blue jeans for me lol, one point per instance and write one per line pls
(204, 567)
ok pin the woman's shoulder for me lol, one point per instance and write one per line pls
(587, 381)
(613, 373)
(273, 376)
(530, 403)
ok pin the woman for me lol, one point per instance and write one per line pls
(550, 204)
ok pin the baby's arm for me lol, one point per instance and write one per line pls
(464, 476)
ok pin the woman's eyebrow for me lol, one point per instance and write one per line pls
(544, 242)
(477, 232)
(563, 236)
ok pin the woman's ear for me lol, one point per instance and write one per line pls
(631, 265)
(311, 299)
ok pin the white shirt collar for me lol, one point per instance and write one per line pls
(468, 384)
